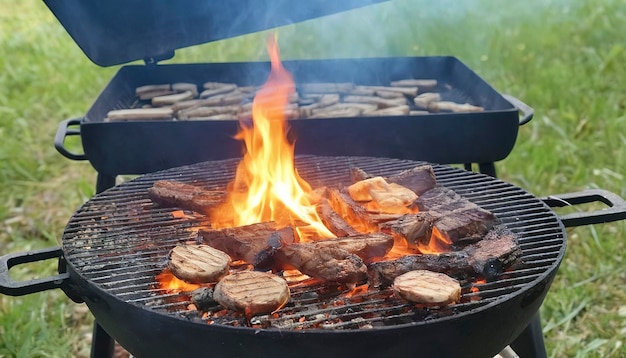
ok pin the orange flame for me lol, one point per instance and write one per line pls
(167, 281)
(266, 185)
(438, 243)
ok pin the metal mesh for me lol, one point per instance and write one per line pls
(119, 241)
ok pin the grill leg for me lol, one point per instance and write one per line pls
(104, 182)
(102, 345)
(530, 342)
(487, 168)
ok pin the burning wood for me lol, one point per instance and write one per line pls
(382, 196)
(366, 246)
(427, 287)
(333, 221)
(185, 196)
(486, 258)
(252, 292)
(198, 263)
(419, 179)
(256, 244)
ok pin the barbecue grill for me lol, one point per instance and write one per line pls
(113, 267)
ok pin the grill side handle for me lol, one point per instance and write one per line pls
(615, 212)
(527, 111)
(63, 131)
(20, 288)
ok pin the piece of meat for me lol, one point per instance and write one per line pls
(366, 246)
(328, 263)
(487, 258)
(252, 292)
(198, 263)
(176, 194)
(427, 287)
(255, 243)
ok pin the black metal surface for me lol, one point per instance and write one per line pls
(125, 251)
(139, 147)
(113, 32)
(616, 207)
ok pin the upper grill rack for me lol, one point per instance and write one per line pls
(119, 240)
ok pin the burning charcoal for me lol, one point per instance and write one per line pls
(140, 114)
(171, 98)
(198, 263)
(423, 85)
(252, 292)
(322, 87)
(495, 252)
(415, 228)
(453, 107)
(366, 246)
(427, 287)
(203, 298)
(333, 221)
(380, 102)
(391, 111)
(181, 87)
(424, 100)
(328, 263)
(419, 179)
(256, 243)
(171, 193)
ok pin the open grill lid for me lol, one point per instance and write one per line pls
(119, 31)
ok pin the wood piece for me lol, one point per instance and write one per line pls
(424, 100)
(390, 111)
(427, 287)
(351, 211)
(423, 85)
(380, 102)
(365, 246)
(453, 107)
(333, 221)
(183, 86)
(176, 194)
(140, 114)
(328, 263)
(358, 174)
(252, 292)
(409, 91)
(500, 251)
(419, 179)
(171, 98)
(198, 263)
(435, 197)
(256, 243)
(461, 222)
(226, 88)
(203, 298)
(326, 87)
(382, 196)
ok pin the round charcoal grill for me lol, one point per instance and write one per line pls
(117, 243)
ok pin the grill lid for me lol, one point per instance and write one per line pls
(118, 31)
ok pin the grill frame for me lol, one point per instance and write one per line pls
(519, 306)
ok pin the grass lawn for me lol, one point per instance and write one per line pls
(564, 58)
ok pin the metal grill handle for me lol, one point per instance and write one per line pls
(62, 132)
(615, 212)
(13, 288)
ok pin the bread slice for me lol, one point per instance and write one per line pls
(252, 292)
(198, 263)
(427, 287)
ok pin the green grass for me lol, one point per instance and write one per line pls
(565, 59)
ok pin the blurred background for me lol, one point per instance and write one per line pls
(566, 59)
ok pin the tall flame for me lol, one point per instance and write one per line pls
(267, 186)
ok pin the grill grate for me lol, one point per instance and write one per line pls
(119, 240)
